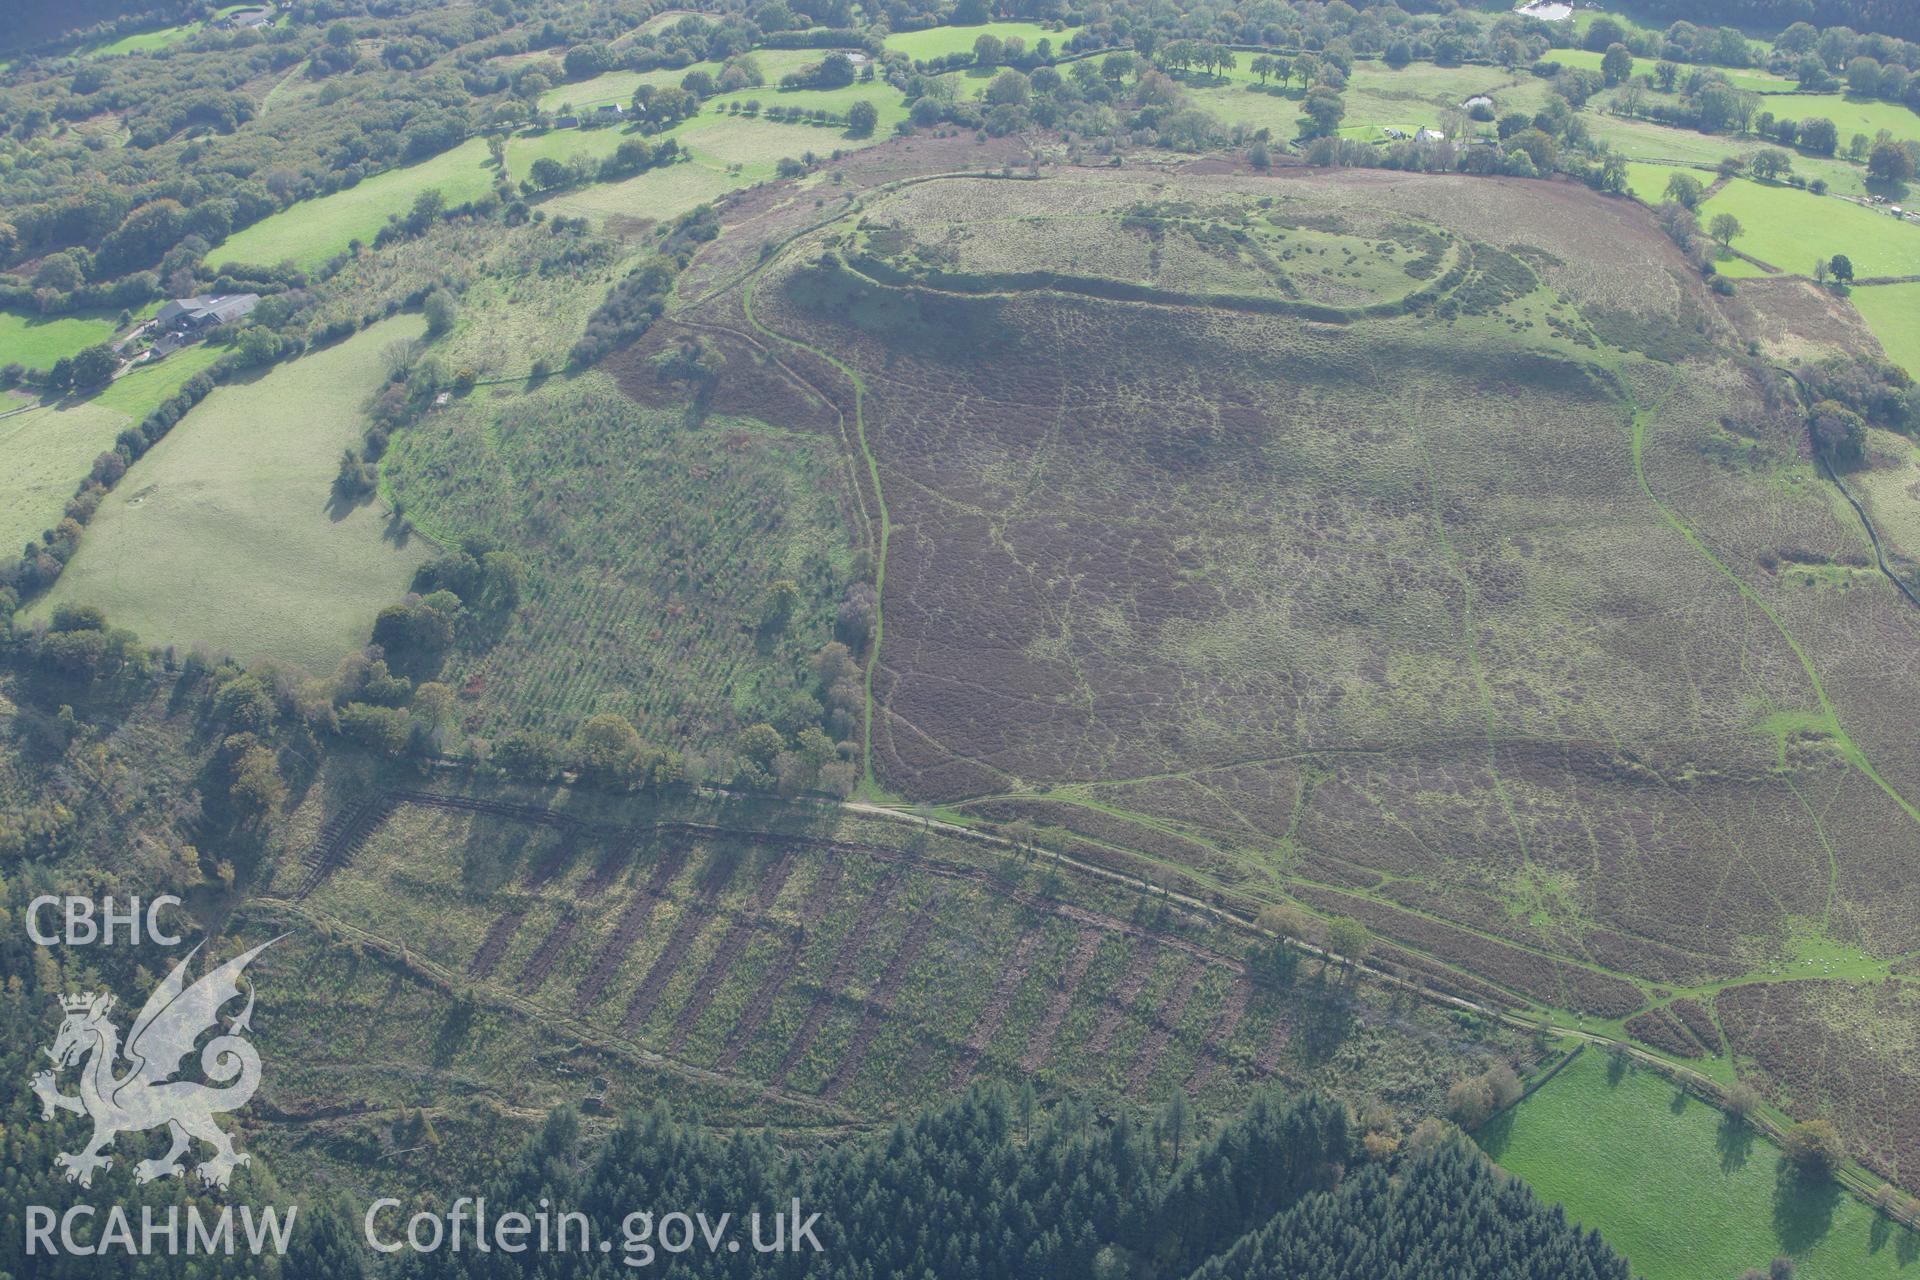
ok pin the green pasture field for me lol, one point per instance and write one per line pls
(718, 139)
(1417, 96)
(1681, 1190)
(225, 534)
(140, 390)
(1892, 311)
(657, 193)
(1789, 228)
(1645, 141)
(618, 86)
(1755, 81)
(1849, 114)
(310, 232)
(38, 341)
(882, 95)
(46, 451)
(141, 41)
(940, 42)
(44, 454)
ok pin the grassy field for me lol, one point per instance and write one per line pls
(1642, 140)
(310, 232)
(657, 194)
(1849, 114)
(225, 535)
(1789, 228)
(618, 86)
(1892, 311)
(721, 141)
(939, 42)
(141, 41)
(45, 451)
(1682, 1192)
(1756, 81)
(1417, 96)
(38, 341)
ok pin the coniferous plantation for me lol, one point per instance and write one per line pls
(960, 638)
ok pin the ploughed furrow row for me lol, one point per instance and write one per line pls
(632, 923)
(614, 856)
(1220, 1034)
(341, 838)
(693, 918)
(494, 945)
(534, 975)
(1161, 1026)
(1040, 1043)
(985, 1027)
(761, 1002)
(1277, 1041)
(844, 965)
(1122, 1000)
(880, 1003)
(727, 954)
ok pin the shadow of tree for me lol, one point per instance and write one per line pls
(1734, 1141)
(1803, 1207)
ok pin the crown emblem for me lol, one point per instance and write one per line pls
(77, 1004)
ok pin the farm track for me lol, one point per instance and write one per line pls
(1161, 1025)
(694, 919)
(494, 946)
(844, 964)
(775, 978)
(1125, 992)
(1213, 1050)
(880, 1002)
(985, 1027)
(1040, 1043)
(728, 953)
(533, 975)
(633, 922)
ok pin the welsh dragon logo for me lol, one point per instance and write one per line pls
(146, 1096)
